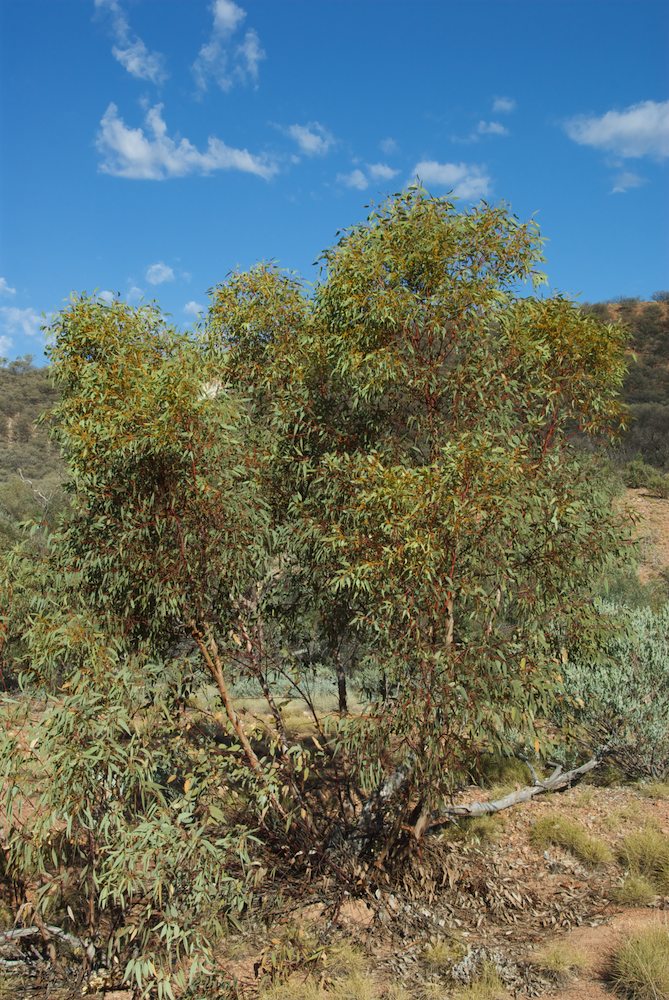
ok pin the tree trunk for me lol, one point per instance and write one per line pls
(341, 686)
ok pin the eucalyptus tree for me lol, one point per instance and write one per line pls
(383, 468)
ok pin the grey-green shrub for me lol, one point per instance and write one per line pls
(619, 693)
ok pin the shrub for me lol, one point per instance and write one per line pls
(572, 837)
(638, 474)
(619, 692)
(640, 968)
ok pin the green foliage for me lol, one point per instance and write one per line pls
(127, 836)
(618, 691)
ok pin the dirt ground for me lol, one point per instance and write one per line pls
(652, 530)
(597, 945)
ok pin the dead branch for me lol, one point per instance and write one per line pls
(559, 779)
(53, 932)
(43, 501)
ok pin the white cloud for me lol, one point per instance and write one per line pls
(194, 309)
(381, 171)
(151, 154)
(159, 273)
(251, 53)
(313, 138)
(5, 288)
(134, 294)
(388, 146)
(491, 128)
(24, 322)
(5, 346)
(640, 130)
(465, 180)
(356, 179)
(107, 296)
(227, 16)
(625, 181)
(130, 50)
(217, 60)
(503, 105)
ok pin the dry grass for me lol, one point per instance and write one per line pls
(560, 959)
(636, 890)
(573, 837)
(488, 986)
(479, 830)
(505, 772)
(654, 789)
(646, 852)
(440, 956)
(640, 967)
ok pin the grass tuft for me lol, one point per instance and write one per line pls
(487, 986)
(654, 789)
(646, 852)
(560, 959)
(636, 890)
(504, 771)
(640, 968)
(573, 837)
(479, 830)
(441, 956)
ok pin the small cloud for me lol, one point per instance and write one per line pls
(491, 128)
(356, 179)
(194, 309)
(159, 273)
(5, 288)
(464, 180)
(107, 296)
(134, 294)
(6, 344)
(313, 138)
(504, 105)
(21, 322)
(388, 146)
(217, 60)
(129, 49)
(227, 16)
(251, 53)
(381, 171)
(640, 130)
(625, 181)
(151, 154)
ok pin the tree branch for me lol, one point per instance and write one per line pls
(558, 779)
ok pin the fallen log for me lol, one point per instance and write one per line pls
(558, 780)
(17, 933)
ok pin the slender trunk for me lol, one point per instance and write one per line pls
(341, 685)
(209, 650)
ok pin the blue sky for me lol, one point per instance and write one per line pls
(148, 147)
